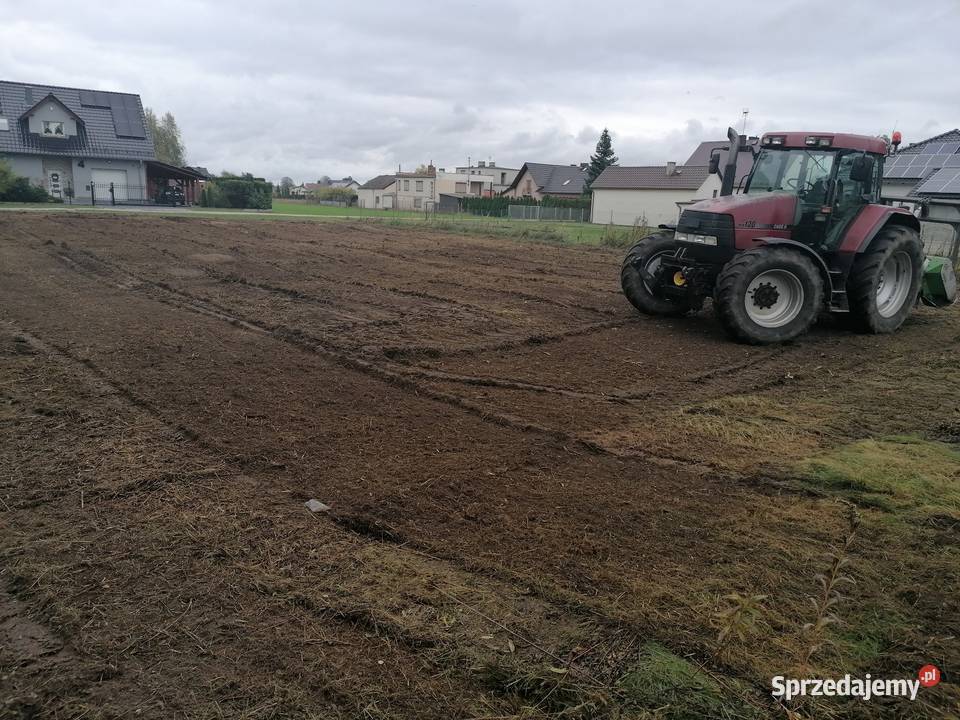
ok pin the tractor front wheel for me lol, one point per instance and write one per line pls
(643, 261)
(885, 281)
(768, 295)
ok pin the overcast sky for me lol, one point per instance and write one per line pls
(311, 88)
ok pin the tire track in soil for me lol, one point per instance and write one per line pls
(369, 618)
(304, 341)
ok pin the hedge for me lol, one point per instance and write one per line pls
(20, 190)
(498, 206)
(236, 192)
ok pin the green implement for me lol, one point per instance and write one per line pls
(939, 286)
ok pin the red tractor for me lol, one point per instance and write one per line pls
(807, 234)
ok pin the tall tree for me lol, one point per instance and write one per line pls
(167, 141)
(601, 159)
(286, 184)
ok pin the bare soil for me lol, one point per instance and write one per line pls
(522, 472)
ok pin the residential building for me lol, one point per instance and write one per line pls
(78, 144)
(379, 193)
(537, 180)
(500, 177)
(652, 195)
(462, 184)
(416, 190)
(645, 195)
(924, 173)
(347, 182)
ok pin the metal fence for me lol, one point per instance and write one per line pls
(940, 239)
(539, 212)
(115, 194)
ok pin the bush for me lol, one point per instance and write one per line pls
(498, 206)
(238, 192)
(347, 196)
(20, 190)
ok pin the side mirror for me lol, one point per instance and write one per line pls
(714, 166)
(862, 169)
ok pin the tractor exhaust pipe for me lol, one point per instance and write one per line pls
(730, 171)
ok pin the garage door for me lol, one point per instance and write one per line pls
(101, 184)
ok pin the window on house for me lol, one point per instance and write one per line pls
(419, 185)
(53, 128)
(431, 188)
(4, 124)
(417, 203)
(406, 184)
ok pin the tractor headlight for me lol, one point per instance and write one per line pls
(694, 238)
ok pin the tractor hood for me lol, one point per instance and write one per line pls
(766, 211)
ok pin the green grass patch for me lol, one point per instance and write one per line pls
(678, 690)
(290, 207)
(897, 473)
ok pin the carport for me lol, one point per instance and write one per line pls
(172, 185)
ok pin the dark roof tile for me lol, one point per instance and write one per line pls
(97, 131)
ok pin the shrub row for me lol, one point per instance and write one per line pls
(238, 192)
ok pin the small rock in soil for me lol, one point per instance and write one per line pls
(316, 506)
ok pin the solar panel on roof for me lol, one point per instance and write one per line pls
(945, 180)
(952, 161)
(932, 148)
(950, 148)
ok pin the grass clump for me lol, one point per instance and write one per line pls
(898, 473)
(677, 690)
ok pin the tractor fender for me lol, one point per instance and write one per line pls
(806, 250)
(871, 220)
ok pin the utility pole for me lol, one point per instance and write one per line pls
(746, 111)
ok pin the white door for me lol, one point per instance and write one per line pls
(101, 184)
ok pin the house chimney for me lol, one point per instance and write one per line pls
(431, 170)
(583, 166)
(481, 163)
(671, 169)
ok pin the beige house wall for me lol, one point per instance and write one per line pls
(630, 207)
(526, 187)
(374, 199)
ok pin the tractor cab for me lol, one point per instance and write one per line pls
(827, 178)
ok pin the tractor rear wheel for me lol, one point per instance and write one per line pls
(885, 281)
(647, 255)
(768, 295)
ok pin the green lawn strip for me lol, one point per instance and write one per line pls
(896, 474)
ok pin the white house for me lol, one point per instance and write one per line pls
(378, 193)
(645, 195)
(652, 195)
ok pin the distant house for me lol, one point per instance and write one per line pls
(347, 182)
(645, 195)
(538, 180)
(652, 195)
(491, 176)
(77, 143)
(298, 191)
(379, 193)
(416, 190)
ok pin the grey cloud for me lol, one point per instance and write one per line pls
(302, 89)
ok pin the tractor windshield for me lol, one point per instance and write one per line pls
(797, 171)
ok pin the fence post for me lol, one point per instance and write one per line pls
(93, 194)
(113, 200)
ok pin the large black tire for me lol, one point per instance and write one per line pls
(768, 295)
(885, 281)
(646, 254)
